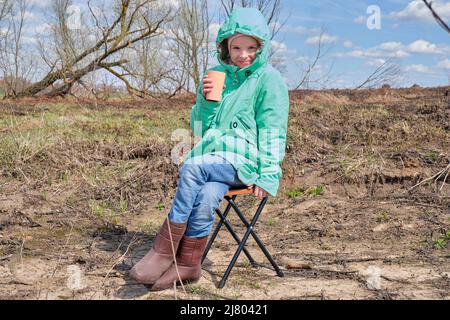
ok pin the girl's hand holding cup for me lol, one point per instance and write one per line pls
(213, 85)
(208, 85)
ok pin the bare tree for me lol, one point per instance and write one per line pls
(386, 73)
(439, 20)
(270, 9)
(16, 59)
(5, 8)
(189, 33)
(130, 22)
(307, 77)
(5, 11)
(153, 70)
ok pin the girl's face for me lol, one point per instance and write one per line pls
(243, 51)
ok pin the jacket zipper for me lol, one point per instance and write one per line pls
(219, 113)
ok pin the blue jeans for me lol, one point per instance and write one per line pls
(203, 183)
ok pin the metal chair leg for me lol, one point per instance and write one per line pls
(241, 246)
(222, 221)
(255, 236)
(241, 243)
(238, 241)
(216, 231)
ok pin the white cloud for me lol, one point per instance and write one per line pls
(419, 68)
(416, 10)
(398, 54)
(444, 64)
(279, 47)
(29, 40)
(168, 4)
(391, 46)
(326, 38)
(300, 30)
(397, 50)
(347, 44)
(39, 3)
(39, 29)
(303, 59)
(353, 53)
(422, 46)
(376, 62)
(43, 28)
(27, 16)
(375, 53)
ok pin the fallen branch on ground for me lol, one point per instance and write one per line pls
(435, 177)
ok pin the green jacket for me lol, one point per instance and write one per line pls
(248, 127)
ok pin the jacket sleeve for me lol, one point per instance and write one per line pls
(272, 119)
(202, 113)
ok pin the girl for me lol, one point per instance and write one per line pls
(243, 143)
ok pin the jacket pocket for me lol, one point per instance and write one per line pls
(240, 125)
(244, 137)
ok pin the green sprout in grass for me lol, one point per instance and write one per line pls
(160, 206)
(441, 243)
(384, 217)
(298, 192)
(432, 156)
(316, 191)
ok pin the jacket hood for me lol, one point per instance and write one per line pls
(251, 22)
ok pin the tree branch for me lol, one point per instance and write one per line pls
(436, 16)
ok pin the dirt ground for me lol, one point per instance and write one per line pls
(363, 211)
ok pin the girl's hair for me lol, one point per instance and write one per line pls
(223, 51)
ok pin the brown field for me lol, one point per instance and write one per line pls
(363, 210)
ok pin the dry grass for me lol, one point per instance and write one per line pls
(109, 155)
(75, 171)
(356, 140)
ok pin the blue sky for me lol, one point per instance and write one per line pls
(408, 34)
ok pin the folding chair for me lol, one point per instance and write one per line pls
(230, 196)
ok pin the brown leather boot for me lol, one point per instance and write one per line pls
(160, 257)
(189, 258)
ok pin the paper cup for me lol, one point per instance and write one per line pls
(218, 79)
